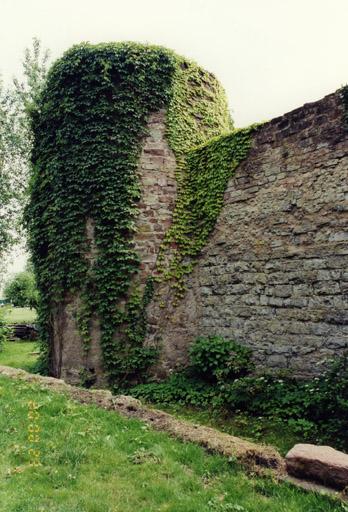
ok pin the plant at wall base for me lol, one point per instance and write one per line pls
(217, 359)
(214, 361)
(316, 409)
(179, 389)
(88, 127)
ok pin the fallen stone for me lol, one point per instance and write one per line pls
(319, 463)
(314, 487)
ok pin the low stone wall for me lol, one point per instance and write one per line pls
(274, 275)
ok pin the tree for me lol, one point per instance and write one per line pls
(21, 290)
(17, 105)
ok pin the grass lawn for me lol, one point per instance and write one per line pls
(96, 461)
(263, 430)
(20, 315)
(17, 354)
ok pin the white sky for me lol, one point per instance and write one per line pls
(270, 55)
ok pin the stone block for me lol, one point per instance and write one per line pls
(319, 463)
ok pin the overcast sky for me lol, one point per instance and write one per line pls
(271, 55)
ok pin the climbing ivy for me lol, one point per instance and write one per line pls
(204, 177)
(197, 114)
(198, 108)
(88, 128)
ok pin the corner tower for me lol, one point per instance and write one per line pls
(113, 126)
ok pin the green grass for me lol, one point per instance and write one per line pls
(20, 315)
(17, 354)
(96, 461)
(264, 430)
(273, 432)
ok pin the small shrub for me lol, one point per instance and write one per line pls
(262, 395)
(216, 505)
(316, 409)
(179, 388)
(326, 402)
(143, 456)
(216, 359)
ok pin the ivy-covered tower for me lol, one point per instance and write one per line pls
(113, 126)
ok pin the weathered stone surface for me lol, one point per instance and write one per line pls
(320, 463)
(158, 193)
(273, 275)
(274, 272)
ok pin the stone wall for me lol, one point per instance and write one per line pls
(274, 275)
(158, 193)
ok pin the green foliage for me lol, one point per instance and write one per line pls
(217, 359)
(197, 110)
(316, 409)
(16, 103)
(96, 460)
(22, 291)
(202, 178)
(27, 93)
(4, 330)
(88, 128)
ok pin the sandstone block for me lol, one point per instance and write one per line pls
(320, 463)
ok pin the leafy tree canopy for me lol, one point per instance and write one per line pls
(17, 103)
(21, 290)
